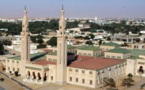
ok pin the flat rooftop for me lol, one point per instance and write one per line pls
(91, 63)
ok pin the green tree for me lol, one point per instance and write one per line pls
(40, 41)
(86, 37)
(89, 42)
(100, 42)
(41, 46)
(52, 41)
(71, 31)
(92, 36)
(126, 81)
(109, 81)
(1, 49)
(130, 75)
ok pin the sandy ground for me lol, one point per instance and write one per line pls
(10, 85)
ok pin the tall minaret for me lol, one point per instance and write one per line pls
(25, 43)
(61, 50)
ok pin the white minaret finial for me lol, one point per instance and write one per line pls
(62, 22)
(62, 7)
(25, 20)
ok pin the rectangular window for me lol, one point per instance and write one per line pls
(83, 71)
(89, 54)
(90, 72)
(90, 82)
(70, 70)
(113, 56)
(70, 79)
(51, 77)
(76, 79)
(83, 80)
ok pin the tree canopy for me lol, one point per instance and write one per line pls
(52, 41)
(1, 49)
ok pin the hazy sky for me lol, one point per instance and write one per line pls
(74, 8)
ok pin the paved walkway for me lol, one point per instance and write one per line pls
(137, 85)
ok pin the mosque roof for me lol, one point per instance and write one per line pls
(44, 62)
(36, 56)
(53, 53)
(119, 50)
(111, 44)
(137, 52)
(89, 47)
(91, 63)
(71, 47)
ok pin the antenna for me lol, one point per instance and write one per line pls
(25, 7)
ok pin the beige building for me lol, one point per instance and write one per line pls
(109, 46)
(61, 67)
(89, 50)
(140, 46)
(118, 53)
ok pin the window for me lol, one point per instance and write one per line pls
(49, 59)
(18, 69)
(7, 60)
(90, 72)
(107, 56)
(51, 77)
(70, 70)
(70, 79)
(83, 71)
(8, 68)
(91, 82)
(54, 60)
(17, 62)
(96, 53)
(119, 57)
(76, 79)
(76, 70)
(89, 54)
(83, 80)
(113, 56)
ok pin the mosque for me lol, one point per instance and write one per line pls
(82, 69)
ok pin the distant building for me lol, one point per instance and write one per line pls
(125, 38)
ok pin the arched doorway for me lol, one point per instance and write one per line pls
(28, 74)
(39, 76)
(34, 76)
(45, 76)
